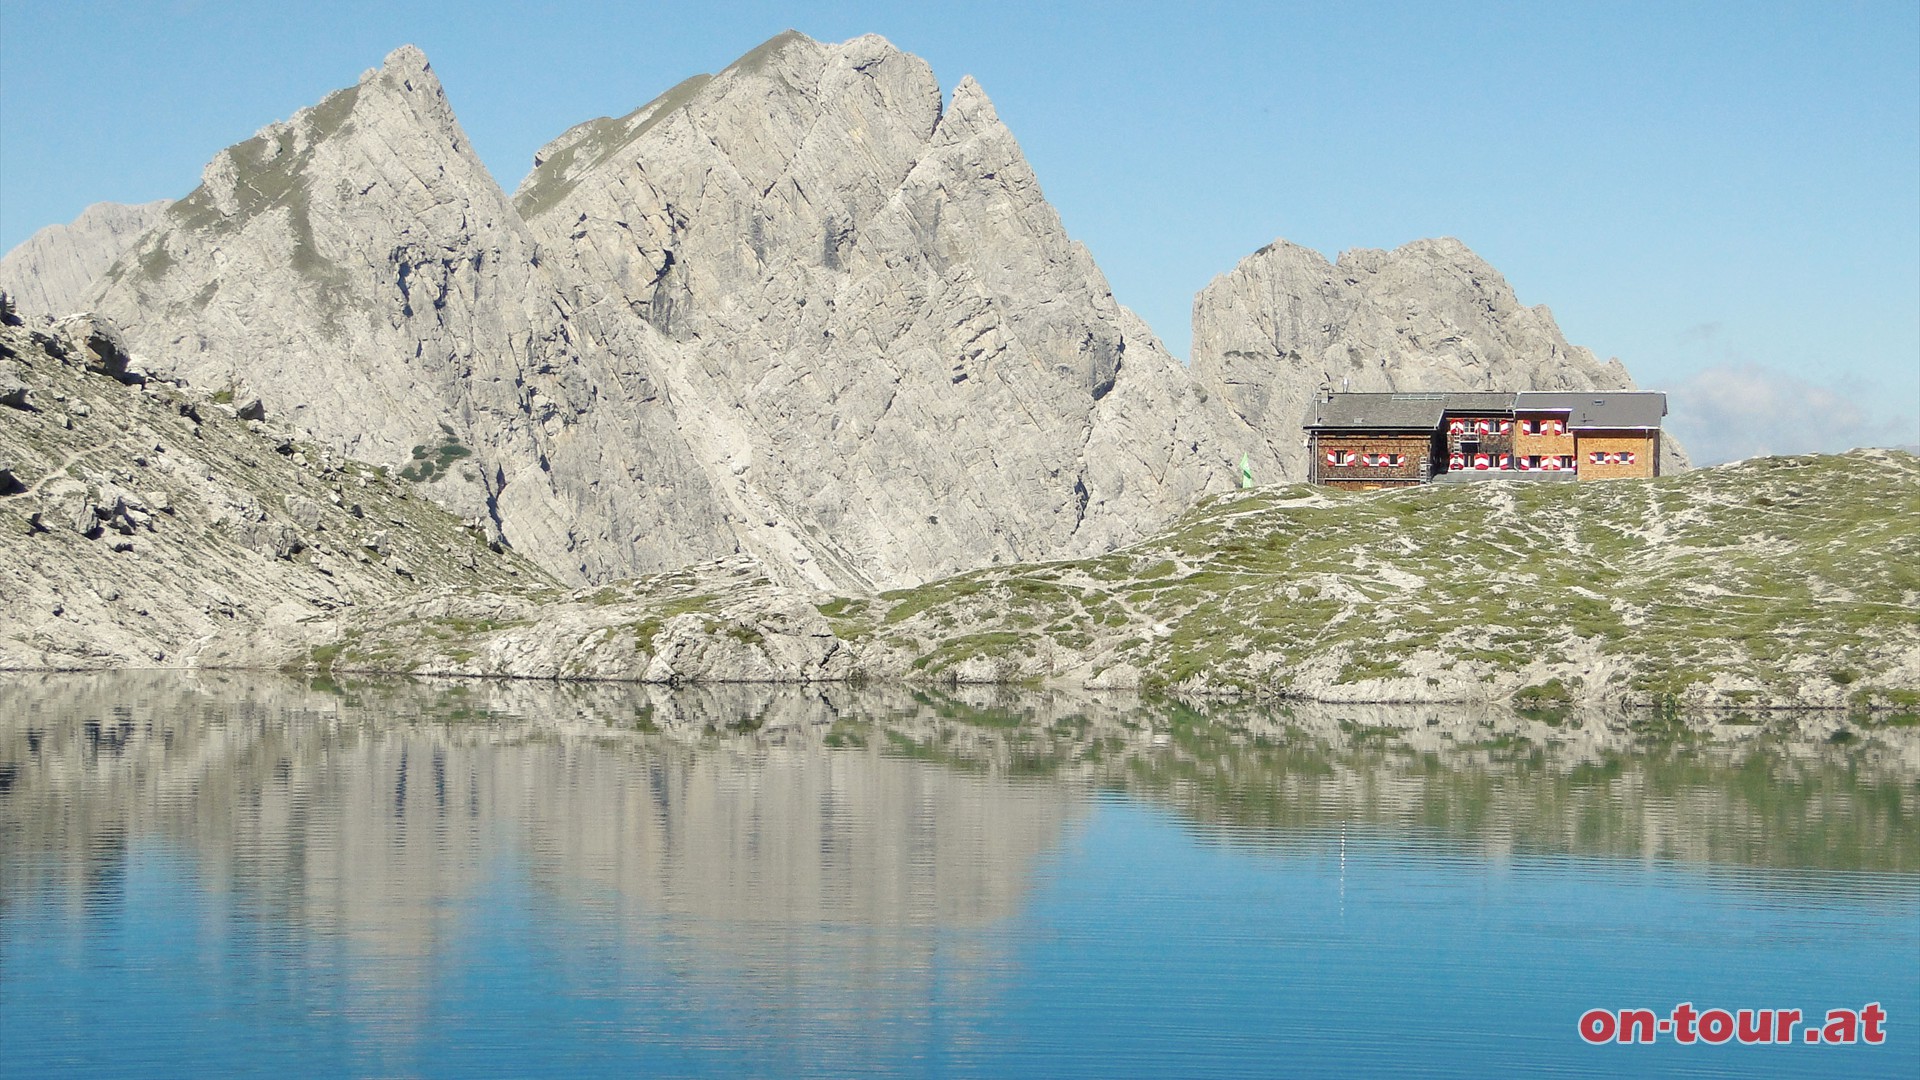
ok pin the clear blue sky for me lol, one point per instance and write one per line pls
(1725, 196)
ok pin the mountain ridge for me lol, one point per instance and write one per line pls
(52, 271)
(801, 310)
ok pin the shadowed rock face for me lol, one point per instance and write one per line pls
(53, 271)
(899, 363)
(1430, 315)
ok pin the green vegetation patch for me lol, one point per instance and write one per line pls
(647, 629)
(1707, 586)
(431, 462)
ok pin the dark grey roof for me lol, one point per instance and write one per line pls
(1598, 409)
(1377, 412)
(1423, 411)
(1480, 401)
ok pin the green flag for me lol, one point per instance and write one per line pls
(1246, 473)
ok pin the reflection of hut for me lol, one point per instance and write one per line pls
(1387, 440)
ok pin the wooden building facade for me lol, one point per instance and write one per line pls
(1366, 441)
(1391, 440)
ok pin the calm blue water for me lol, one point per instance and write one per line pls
(243, 877)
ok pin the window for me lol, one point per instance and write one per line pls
(1339, 457)
(1598, 457)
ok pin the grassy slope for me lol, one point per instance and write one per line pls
(1775, 582)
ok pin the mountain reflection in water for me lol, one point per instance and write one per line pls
(768, 879)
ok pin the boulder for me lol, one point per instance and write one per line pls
(96, 341)
(14, 394)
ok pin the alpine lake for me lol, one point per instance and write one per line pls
(231, 874)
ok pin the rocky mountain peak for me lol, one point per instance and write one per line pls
(900, 361)
(971, 108)
(404, 61)
(752, 111)
(357, 269)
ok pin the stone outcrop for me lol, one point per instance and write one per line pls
(53, 271)
(1430, 315)
(722, 622)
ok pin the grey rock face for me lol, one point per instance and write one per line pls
(357, 273)
(53, 271)
(793, 310)
(889, 356)
(1430, 315)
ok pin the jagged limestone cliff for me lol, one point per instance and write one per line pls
(358, 270)
(53, 271)
(891, 356)
(797, 310)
